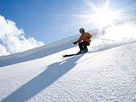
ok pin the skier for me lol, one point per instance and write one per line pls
(83, 41)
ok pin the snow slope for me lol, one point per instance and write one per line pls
(38, 52)
(106, 74)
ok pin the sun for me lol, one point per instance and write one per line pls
(100, 17)
(103, 17)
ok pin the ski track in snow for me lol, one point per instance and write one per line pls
(108, 75)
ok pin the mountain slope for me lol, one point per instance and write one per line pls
(38, 52)
(103, 76)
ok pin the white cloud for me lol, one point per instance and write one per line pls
(13, 39)
(3, 51)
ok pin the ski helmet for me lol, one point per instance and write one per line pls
(81, 30)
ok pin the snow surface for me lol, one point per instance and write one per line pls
(107, 75)
(38, 52)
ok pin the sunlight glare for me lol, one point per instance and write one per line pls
(103, 17)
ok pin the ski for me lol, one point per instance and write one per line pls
(69, 55)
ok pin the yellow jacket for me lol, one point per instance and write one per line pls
(85, 37)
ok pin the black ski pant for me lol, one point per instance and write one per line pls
(83, 46)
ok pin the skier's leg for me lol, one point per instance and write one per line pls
(85, 49)
(81, 46)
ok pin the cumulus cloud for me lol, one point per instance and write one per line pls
(12, 39)
(3, 51)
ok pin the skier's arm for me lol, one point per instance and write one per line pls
(79, 40)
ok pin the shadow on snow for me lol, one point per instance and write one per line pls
(42, 81)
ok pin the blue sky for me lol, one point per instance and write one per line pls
(51, 20)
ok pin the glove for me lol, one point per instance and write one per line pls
(75, 42)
